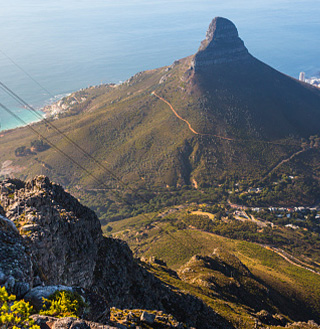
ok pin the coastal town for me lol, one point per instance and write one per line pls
(314, 81)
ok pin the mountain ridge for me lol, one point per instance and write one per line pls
(218, 280)
(65, 246)
(139, 139)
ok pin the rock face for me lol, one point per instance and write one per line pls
(16, 266)
(62, 234)
(96, 308)
(66, 323)
(66, 246)
(222, 45)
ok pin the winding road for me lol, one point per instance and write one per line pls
(291, 259)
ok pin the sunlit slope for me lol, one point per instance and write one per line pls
(138, 137)
(238, 276)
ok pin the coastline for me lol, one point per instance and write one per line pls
(45, 111)
(31, 122)
(53, 108)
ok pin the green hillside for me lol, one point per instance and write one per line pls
(235, 277)
(135, 136)
(208, 168)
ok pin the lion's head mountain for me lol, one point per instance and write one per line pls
(245, 114)
(221, 45)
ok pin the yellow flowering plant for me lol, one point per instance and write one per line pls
(15, 314)
(63, 304)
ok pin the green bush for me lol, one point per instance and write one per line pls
(15, 314)
(39, 145)
(63, 304)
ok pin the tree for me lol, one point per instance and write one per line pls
(20, 151)
(39, 145)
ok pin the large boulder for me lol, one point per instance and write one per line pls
(96, 308)
(36, 295)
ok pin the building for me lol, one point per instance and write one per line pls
(302, 76)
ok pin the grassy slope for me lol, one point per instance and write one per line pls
(137, 136)
(121, 128)
(293, 291)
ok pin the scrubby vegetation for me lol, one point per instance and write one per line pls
(298, 243)
(22, 151)
(137, 137)
(175, 239)
(63, 304)
(279, 190)
(37, 145)
(145, 201)
(15, 314)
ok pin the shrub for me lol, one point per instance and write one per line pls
(39, 145)
(15, 314)
(63, 304)
(20, 151)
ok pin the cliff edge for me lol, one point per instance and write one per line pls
(65, 246)
(221, 45)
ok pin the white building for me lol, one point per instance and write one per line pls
(302, 76)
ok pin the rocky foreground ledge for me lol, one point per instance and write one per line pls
(49, 241)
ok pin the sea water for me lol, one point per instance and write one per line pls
(69, 45)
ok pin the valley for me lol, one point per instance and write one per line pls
(175, 240)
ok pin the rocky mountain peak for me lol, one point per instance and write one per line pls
(221, 28)
(221, 45)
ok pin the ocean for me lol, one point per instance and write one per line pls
(69, 45)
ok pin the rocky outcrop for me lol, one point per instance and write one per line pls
(96, 308)
(270, 319)
(16, 266)
(63, 236)
(145, 319)
(129, 285)
(46, 322)
(226, 276)
(66, 246)
(35, 296)
(222, 45)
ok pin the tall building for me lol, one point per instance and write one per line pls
(302, 76)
